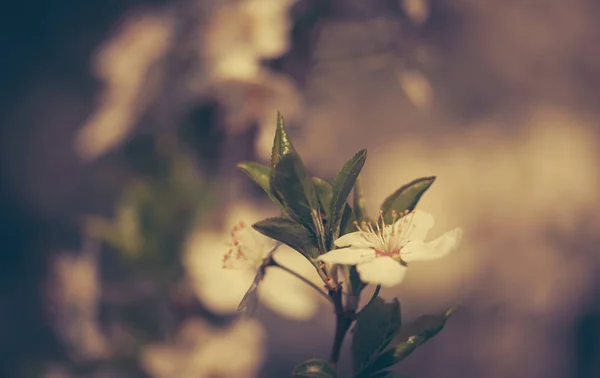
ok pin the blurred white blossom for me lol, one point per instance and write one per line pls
(416, 87)
(238, 37)
(242, 33)
(74, 293)
(124, 64)
(200, 350)
(221, 274)
(416, 10)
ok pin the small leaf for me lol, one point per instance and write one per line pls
(325, 194)
(282, 145)
(347, 225)
(295, 189)
(389, 374)
(406, 197)
(314, 368)
(342, 185)
(290, 233)
(410, 338)
(249, 302)
(375, 328)
(260, 175)
(358, 204)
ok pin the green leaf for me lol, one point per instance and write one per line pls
(325, 194)
(282, 145)
(342, 185)
(406, 197)
(347, 225)
(260, 174)
(296, 191)
(375, 328)
(410, 338)
(249, 302)
(358, 204)
(314, 368)
(389, 374)
(290, 233)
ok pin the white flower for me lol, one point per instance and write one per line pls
(221, 275)
(240, 34)
(129, 65)
(202, 351)
(74, 293)
(382, 252)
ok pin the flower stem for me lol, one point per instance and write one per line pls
(301, 278)
(343, 320)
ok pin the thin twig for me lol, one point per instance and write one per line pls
(303, 279)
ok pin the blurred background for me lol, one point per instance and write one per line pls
(122, 122)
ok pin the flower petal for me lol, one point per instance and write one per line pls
(415, 225)
(255, 245)
(435, 249)
(356, 239)
(348, 256)
(383, 271)
(287, 295)
(223, 293)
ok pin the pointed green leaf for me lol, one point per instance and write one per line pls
(260, 174)
(325, 194)
(289, 233)
(375, 328)
(314, 368)
(282, 145)
(249, 302)
(295, 189)
(411, 337)
(358, 204)
(406, 197)
(347, 225)
(342, 185)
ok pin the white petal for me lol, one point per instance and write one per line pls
(348, 256)
(255, 245)
(435, 249)
(383, 271)
(287, 295)
(356, 239)
(415, 225)
(222, 293)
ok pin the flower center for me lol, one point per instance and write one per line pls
(388, 238)
(235, 256)
(380, 253)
